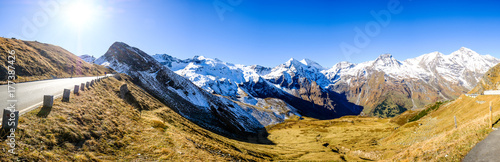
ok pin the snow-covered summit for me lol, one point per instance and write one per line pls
(88, 58)
(454, 67)
(386, 61)
(312, 64)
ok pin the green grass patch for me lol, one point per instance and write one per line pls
(423, 113)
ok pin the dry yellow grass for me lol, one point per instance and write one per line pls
(38, 61)
(432, 138)
(435, 138)
(100, 126)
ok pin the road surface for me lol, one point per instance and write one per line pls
(486, 150)
(29, 95)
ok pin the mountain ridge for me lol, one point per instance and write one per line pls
(416, 77)
(221, 114)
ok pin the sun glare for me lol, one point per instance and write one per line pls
(79, 13)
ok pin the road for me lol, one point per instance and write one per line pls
(486, 150)
(29, 95)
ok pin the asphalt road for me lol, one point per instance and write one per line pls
(486, 150)
(29, 95)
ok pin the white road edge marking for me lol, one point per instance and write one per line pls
(32, 107)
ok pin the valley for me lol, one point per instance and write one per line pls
(355, 138)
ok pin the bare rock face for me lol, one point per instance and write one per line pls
(123, 90)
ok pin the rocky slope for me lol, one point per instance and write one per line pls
(294, 83)
(412, 83)
(489, 81)
(214, 112)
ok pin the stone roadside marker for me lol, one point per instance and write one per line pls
(48, 101)
(66, 94)
(10, 119)
(75, 91)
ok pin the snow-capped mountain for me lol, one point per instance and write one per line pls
(406, 84)
(411, 83)
(87, 58)
(215, 112)
(452, 68)
(300, 84)
(283, 74)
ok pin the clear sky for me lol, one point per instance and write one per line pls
(264, 32)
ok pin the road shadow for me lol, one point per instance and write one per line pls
(44, 112)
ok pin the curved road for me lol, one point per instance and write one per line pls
(29, 95)
(486, 150)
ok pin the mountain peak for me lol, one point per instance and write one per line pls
(464, 51)
(197, 57)
(293, 61)
(120, 44)
(343, 65)
(385, 56)
(88, 58)
(312, 64)
(386, 60)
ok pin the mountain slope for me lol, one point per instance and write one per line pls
(37, 61)
(213, 112)
(412, 83)
(379, 85)
(99, 125)
(294, 83)
(87, 58)
(489, 81)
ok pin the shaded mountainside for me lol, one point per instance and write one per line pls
(304, 80)
(37, 61)
(378, 91)
(212, 112)
(294, 82)
(490, 81)
(386, 84)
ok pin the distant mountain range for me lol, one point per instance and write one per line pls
(383, 87)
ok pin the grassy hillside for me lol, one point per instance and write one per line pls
(432, 137)
(99, 125)
(37, 61)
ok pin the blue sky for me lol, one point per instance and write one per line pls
(264, 32)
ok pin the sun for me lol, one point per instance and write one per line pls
(80, 13)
